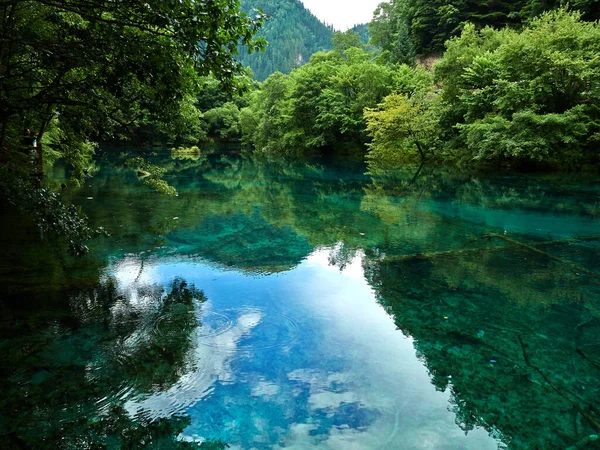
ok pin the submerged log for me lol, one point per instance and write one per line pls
(489, 237)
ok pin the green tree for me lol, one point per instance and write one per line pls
(223, 122)
(320, 104)
(405, 27)
(101, 66)
(342, 41)
(402, 129)
(529, 96)
(390, 31)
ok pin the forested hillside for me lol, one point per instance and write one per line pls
(293, 34)
(363, 31)
(519, 97)
(408, 27)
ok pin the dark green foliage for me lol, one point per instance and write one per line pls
(105, 68)
(390, 32)
(293, 34)
(501, 342)
(78, 71)
(100, 330)
(363, 31)
(223, 122)
(61, 223)
(425, 25)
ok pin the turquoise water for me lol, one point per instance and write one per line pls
(306, 304)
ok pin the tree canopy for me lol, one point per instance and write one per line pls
(497, 96)
(107, 66)
(78, 71)
(404, 28)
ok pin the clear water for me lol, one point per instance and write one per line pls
(305, 304)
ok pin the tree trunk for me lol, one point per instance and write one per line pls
(421, 153)
(39, 150)
(3, 134)
(39, 163)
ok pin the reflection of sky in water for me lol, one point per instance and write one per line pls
(301, 359)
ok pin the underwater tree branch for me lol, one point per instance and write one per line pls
(576, 405)
(490, 236)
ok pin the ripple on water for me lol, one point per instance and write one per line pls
(120, 394)
(221, 336)
(247, 329)
(214, 324)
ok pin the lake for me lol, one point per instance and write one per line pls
(295, 304)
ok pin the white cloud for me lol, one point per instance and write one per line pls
(342, 14)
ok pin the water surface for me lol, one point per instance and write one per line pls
(306, 304)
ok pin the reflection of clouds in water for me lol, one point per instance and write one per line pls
(322, 259)
(352, 382)
(381, 398)
(321, 385)
(212, 365)
(265, 389)
(133, 274)
(348, 413)
(133, 270)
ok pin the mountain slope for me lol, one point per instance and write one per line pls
(363, 31)
(293, 33)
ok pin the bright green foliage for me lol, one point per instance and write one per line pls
(342, 41)
(264, 122)
(293, 34)
(403, 129)
(502, 96)
(525, 96)
(417, 82)
(152, 175)
(220, 118)
(512, 97)
(318, 105)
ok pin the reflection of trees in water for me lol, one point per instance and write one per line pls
(79, 363)
(561, 193)
(315, 201)
(513, 335)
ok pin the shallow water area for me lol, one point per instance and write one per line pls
(305, 304)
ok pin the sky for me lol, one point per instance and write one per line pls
(342, 14)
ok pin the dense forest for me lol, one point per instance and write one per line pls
(293, 34)
(521, 95)
(363, 31)
(405, 26)
(76, 73)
